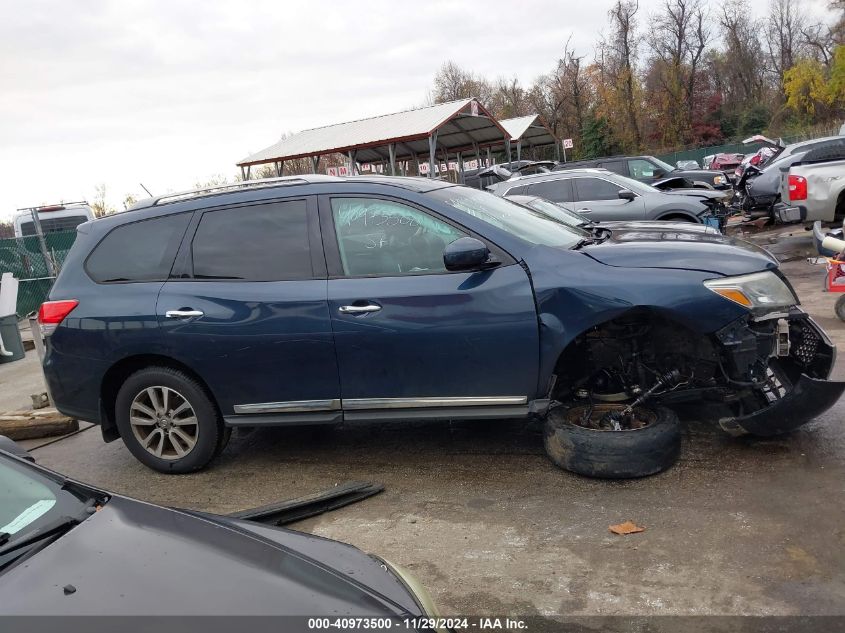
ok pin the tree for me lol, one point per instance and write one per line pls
(100, 206)
(678, 38)
(806, 89)
(784, 38)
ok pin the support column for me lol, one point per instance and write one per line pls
(417, 163)
(243, 173)
(432, 151)
(489, 157)
(391, 149)
(460, 168)
(508, 151)
(279, 166)
(315, 163)
(519, 150)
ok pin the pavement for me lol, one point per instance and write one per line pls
(479, 514)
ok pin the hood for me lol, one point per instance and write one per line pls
(131, 558)
(685, 250)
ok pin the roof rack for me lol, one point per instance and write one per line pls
(237, 186)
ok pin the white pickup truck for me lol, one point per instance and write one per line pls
(814, 189)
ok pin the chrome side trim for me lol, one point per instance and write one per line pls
(358, 404)
(291, 406)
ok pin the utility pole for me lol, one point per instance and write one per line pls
(36, 221)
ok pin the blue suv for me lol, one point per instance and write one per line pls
(319, 300)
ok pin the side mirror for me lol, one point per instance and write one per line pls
(13, 448)
(626, 194)
(466, 253)
(659, 172)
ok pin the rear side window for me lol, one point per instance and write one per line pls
(554, 190)
(140, 251)
(267, 242)
(596, 189)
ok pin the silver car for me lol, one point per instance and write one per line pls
(602, 195)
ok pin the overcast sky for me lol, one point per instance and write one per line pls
(173, 92)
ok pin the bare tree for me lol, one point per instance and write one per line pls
(784, 36)
(743, 72)
(678, 38)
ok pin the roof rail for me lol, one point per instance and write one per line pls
(217, 189)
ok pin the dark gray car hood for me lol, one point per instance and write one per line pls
(686, 250)
(132, 558)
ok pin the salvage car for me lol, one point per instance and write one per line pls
(758, 188)
(70, 549)
(605, 196)
(655, 172)
(319, 300)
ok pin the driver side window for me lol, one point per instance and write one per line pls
(382, 237)
(640, 168)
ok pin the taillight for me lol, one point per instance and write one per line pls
(797, 188)
(51, 313)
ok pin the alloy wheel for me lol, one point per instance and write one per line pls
(164, 422)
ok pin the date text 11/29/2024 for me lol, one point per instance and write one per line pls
(416, 624)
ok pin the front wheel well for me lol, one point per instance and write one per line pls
(636, 347)
(117, 375)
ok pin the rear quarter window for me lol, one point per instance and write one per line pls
(139, 251)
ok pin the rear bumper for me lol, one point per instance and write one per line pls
(74, 384)
(787, 214)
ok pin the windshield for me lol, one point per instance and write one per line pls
(634, 185)
(664, 166)
(560, 214)
(29, 500)
(523, 222)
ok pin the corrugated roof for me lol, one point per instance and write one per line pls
(460, 124)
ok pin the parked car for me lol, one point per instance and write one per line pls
(653, 171)
(758, 190)
(727, 163)
(562, 212)
(70, 549)
(53, 218)
(814, 188)
(606, 196)
(316, 300)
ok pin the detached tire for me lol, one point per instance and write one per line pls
(840, 307)
(612, 454)
(168, 421)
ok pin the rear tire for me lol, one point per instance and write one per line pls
(613, 454)
(168, 421)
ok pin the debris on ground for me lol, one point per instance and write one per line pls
(27, 425)
(628, 527)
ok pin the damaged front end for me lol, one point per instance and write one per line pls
(775, 368)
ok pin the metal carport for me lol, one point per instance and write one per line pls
(433, 132)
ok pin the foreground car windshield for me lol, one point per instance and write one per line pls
(29, 500)
(560, 214)
(523, 222)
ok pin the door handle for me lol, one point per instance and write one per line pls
(182, 314)
(359, 309)
(585, 210)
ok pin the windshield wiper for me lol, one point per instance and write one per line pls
(53, 528)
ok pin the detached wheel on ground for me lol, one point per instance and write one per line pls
(168, 422)
(840, 307)
(582, 439)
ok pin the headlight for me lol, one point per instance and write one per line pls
(720, 180)
(757, 291)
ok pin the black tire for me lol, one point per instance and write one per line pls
(209, 434)
(840, 307)
(613, 454)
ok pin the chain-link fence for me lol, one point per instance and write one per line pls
(23, 257)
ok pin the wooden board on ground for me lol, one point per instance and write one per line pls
(26, 425)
